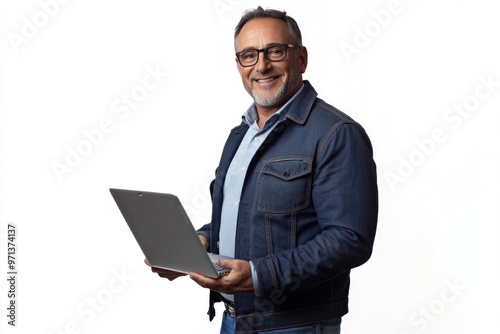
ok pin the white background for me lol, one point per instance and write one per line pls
(435, 267)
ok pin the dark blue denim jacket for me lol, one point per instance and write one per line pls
(307, 215)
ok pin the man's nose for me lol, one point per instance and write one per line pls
(263, 64)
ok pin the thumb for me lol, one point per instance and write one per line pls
(226, 263)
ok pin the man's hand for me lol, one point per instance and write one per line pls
(204, 241)
(239, 280)
(169, 274)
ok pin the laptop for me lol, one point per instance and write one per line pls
(165, 233)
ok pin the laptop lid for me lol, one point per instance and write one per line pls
(164, 231)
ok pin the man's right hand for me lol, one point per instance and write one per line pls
(170, 274)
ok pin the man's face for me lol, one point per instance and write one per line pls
(270, 84)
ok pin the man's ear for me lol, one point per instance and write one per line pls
(303, 59)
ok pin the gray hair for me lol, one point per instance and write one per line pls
(259, 12)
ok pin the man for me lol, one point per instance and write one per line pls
(294, 198)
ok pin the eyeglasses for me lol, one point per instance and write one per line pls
(275, 52)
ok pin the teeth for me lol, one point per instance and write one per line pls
(265, 80)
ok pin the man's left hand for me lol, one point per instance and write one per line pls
(239, 280)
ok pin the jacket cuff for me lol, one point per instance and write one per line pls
(264, 276)
(255, 280)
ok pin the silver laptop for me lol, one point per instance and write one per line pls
(165, 233)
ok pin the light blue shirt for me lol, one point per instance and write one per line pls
(235, 178)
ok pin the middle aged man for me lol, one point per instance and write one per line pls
(295, 196)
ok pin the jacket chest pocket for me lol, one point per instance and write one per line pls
(285, 185)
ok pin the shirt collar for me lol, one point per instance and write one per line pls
(251, 115)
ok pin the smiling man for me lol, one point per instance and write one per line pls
(295, 198)
(271, 83)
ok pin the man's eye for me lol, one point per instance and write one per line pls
(248, 55)
(275, 51)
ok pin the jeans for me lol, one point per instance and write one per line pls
(228, 324)
(328, 327)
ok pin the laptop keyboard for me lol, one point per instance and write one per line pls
(221, 271)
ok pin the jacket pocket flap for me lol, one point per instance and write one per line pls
(288, 168)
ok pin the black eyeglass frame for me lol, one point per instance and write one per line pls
(264, 51)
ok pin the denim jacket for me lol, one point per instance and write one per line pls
(307, 215)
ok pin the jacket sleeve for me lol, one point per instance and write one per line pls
(345, 206)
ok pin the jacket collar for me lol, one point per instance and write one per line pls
(297, 111)
(301, 106)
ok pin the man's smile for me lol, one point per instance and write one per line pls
(266, 79)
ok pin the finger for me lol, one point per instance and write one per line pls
(197, 278)
(203, 281)
(169, 277)
(147, 262)
(226, 263)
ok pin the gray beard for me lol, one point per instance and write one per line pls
(268, 100)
